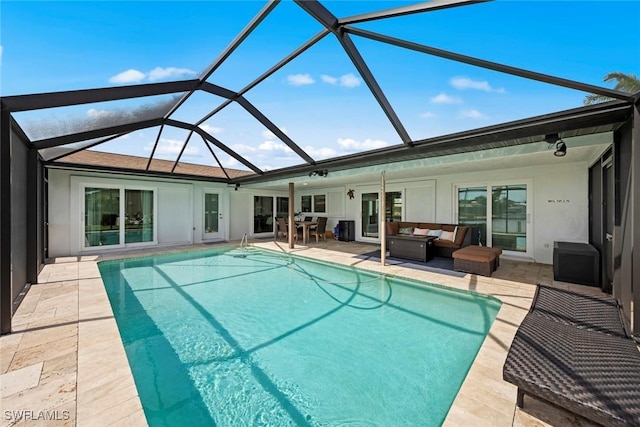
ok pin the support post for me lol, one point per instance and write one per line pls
(635, 254)
(33, 226)
(6, 301)
(382, 221)
(291, 223)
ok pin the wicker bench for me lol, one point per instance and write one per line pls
(476, 260)
(573, 350)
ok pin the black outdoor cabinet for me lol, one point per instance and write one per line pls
(347, 231)
(576, 263)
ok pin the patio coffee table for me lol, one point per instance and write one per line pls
(412, 247)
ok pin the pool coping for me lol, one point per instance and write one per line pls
(104, 387)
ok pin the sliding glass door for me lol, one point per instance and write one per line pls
(117, 216)
(101, 216)
(370, 205)
(510, 225)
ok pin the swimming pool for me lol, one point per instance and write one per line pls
(226, 337)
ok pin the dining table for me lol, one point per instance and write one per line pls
(306, 226)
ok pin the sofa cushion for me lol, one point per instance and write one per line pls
(461, 233)
(435, 233)
(446, 244)
(405, 231)
(448, 235)
(392, 228)
(420, 231)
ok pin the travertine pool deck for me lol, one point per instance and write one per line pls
(64, 363)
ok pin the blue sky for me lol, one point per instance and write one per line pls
(319, 99)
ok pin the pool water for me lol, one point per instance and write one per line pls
(229, 337)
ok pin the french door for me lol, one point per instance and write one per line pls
(212, 227)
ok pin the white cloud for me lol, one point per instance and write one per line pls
(160, 73)
(471, 114)
(93, 113)
(329, 79)
(320, 153)
(230, 162)
(349, 80)
(346, 80)
(211, 130)
(129, 76)
(350, 144)
(300, 79)
(271, 145)
(443, 98)
(463, 83)
(428, 115)
(171, 147)
(243, 149)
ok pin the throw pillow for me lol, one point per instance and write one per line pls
(447, 235)
(435, 233)
(405, 230)
(420, 231)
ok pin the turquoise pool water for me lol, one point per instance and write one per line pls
(230, 338)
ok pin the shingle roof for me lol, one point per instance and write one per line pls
(102, 159)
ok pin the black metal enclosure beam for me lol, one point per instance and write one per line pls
(274, 129)
(214, 141)
(33, 220)
(531, 75)
(322, 15)
(206, 144)
(184, 147)
(78, 97)
(6, 301)
(407, 10)
(155, 145)
(218, 90)
(97, 133)
(251, 26)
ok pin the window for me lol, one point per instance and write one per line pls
(319, 203)
(305, 205)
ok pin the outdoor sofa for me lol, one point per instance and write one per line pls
(463, 235)
(574, 350)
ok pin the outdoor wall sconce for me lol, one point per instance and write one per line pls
(319, 173)
(350, 193)
(554, 140)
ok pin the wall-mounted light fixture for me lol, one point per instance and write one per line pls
(323, 172)
(237, 186)
(554, 140)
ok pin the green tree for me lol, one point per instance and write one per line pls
(624, 83)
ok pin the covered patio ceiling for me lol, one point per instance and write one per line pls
(166, 102)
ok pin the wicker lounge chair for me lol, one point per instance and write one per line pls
(601, 313)
(590, 373)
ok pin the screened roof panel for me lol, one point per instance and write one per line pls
(435, 96)
(56, 152)
(113, 43)
(271, 41)
(324, 104)
(241, 132)
(196, 106)
(54, 122)
(319, 105)
(561, 38)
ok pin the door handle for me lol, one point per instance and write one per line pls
(609, 237)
